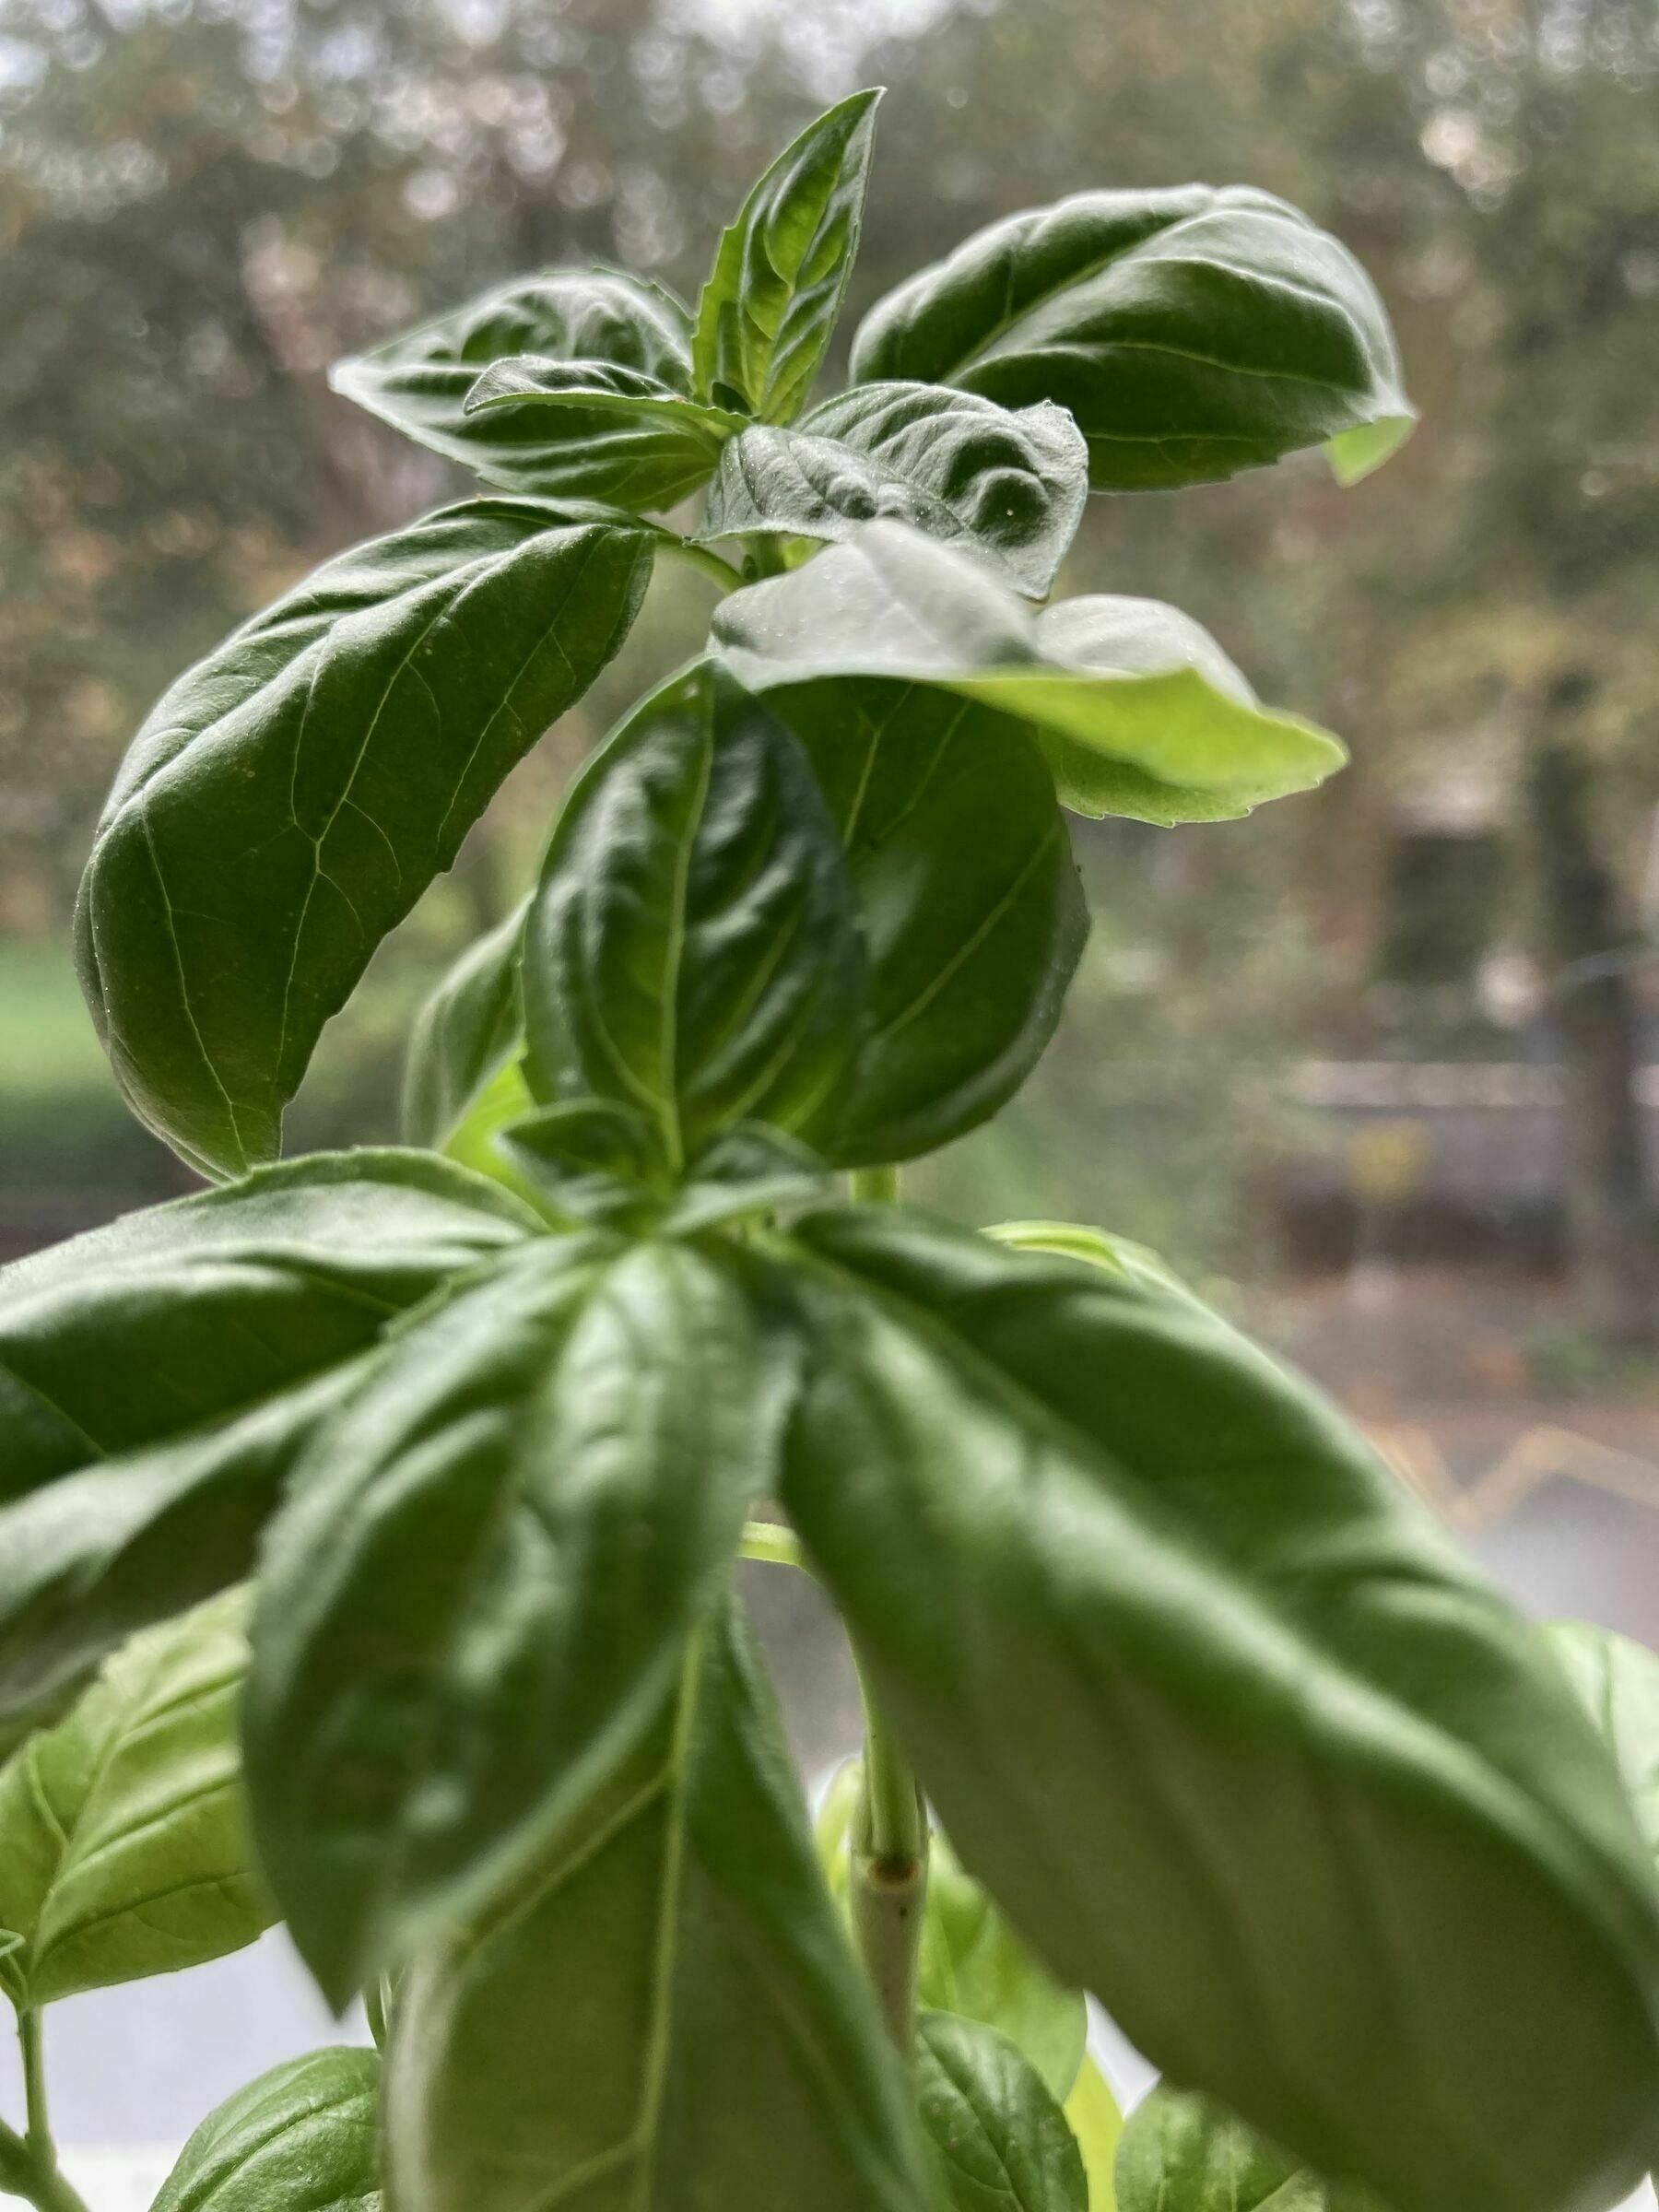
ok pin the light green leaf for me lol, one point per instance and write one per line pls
(1136, 708)
(419, 382)
(1618, 1681)
(660, 2013)
(959, 467)
(970, 1961)
(158, 1377)
(1191, 331)
(1205, 1699)
(290, 797)
(691, 949)
(124, 1839)
(1182, 2153)
(770, 306)
(1093, 2114)
(304, 2138)
(482, 1588)
(468, 1030)
(1000, 2141)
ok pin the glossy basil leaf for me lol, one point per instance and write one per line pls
(971, 911)
(674, 442)
(957, 466)
(124, 1839)
(481, 1591)
(691, 948)
(1204, 1698)
(196, 1311)
(1093, 2114)
(290, 797)
(970, 1961)
(1618, 1682)
(470, 1028)
(419, 382)
(1000, 2143)
(598, 1162)
(770, 307)
(304, 2138)
(1185, 2153)
(662, 2013)
(1191, 331)
(1137, 707)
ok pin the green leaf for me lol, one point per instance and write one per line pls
(662, 2013)
(970, 1961)
(1618, 1682)
(1185, 2153)
(607, 406)
(959, 467)
(770, 307)
(468, 1030)
(999, 2140)
(123, 1842)
(968, 900)
(591, 1160)
(1135, 706)
(304, 2138)
(1093, 2114)
(1191, 331)
(1205, 1699)
(481, 1591)
(421, 382)
(157, 1378)
(290, 797)
(691, 949)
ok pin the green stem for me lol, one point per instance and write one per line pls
(699, 557)
(770, 1540)
(28, 2166)
(888, 1873)
(873, 1186)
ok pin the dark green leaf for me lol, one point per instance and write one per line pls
(1191, 331)
(158, 1377)
(419, 382)
(957, 466)
(662, 2015)
(968, 902)
(1207, 1702)
(304, 2138)
(481, 1592)
(1618, 1681)
(291, 796)
(123, 1838)
(468, 1030)
(999, 2140)
(1138, 709)
(971, 1962)
(595, 1161)
(1182, 2153)
(770, 306)
(604, 407)
(691, 949)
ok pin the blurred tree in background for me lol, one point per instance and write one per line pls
(200, 203)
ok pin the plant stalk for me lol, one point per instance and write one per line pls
(28, 2166)
(888, 1874)
(707, 563)
(873, 1186)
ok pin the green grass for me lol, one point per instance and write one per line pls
(47, 1040)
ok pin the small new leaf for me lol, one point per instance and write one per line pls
(123, 1838)
(1136, 708)
(304, 2138)
(960, 468)
(769, 309)
(290, 797)
(1185, 2153)
(660, 2012)
(1000, 2142)
(475, 1604)
(468, 1032)
(420, 383)
(1191, 333)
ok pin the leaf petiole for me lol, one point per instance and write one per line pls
(28, 2166)
(709, 564)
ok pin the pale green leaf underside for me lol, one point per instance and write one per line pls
(1138, 709)
(123, 1843)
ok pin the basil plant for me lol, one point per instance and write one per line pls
(368, 1520)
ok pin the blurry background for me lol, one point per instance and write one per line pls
(1379, 1068)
